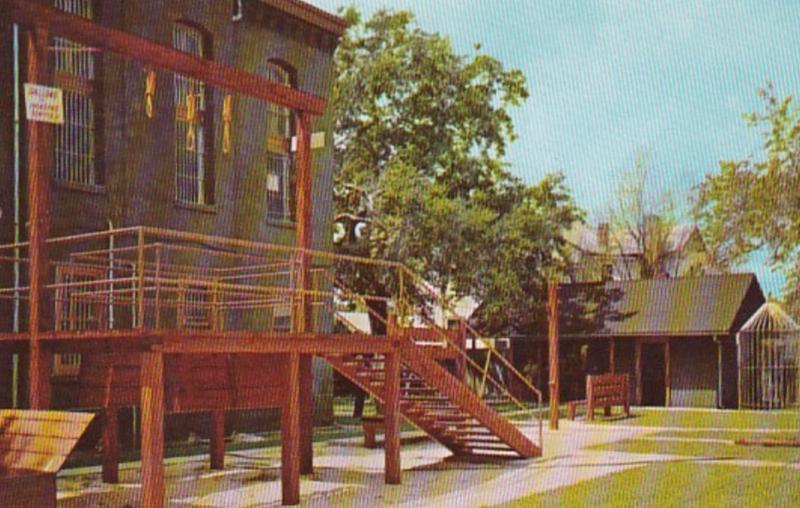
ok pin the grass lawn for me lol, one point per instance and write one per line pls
(702, 418)
(720, 451)
(679, 484)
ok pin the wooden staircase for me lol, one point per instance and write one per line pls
(437, 402)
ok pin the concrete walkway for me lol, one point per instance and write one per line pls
(347, 474)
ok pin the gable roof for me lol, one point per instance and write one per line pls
(687, 306)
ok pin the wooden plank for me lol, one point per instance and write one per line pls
(290, 436)
(156, 55)
(40, 148)
(152, 421)
(552, 337)
(391, 419)
(286, 344)
(49, 445)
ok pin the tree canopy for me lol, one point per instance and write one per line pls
(754, 203)
(421, 135)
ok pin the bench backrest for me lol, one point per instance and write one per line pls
(38, 441)
(608, 387)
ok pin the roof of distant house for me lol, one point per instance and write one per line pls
(587, 239)
(686, 306)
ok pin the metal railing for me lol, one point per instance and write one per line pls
(150, 278)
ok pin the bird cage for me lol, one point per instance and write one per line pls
(768, 354)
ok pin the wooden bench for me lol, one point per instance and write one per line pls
(603, 390)
(33, 447)
(372, 425)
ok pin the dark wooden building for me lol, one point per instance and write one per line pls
(675, 337)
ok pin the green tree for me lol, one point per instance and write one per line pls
(421, 133)
(754, 204)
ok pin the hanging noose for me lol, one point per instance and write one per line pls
(191, 120)
(227, 118)
(149, 93)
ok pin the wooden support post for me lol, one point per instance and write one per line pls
(306, 414)
(612, 355)
(552, 303)
(391, 418)
(110, 445)
(637, 353)
(217, 445)
(290, 435)
(152, 405)
(303, 318)
(667, 375)
(40, 149)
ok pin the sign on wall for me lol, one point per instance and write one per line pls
(44, 104)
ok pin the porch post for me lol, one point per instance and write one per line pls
(290, 435)
(391, 417)
(638, 370)
(303, 318)
(110, 445)
(612, 360)
(552, 300)
(40, 148)
(152, 403)
(217, 438)
(667, 374)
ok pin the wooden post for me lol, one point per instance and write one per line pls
(667, 375)
(110, 445)
(152, 404)
(612, 359)
(217, 444)
(303, 317)
(290, 435)
(638, 370)
(40, 149)
(306, 414)
(552, 301)
(391, 418)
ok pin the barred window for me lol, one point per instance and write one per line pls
(280, 164)
(194, 181)
(74, 71)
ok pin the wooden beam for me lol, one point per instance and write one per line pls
(304, 232)
(346, 344)
(290, 436)
(217, 438)
(637, 354)
(40, 150)
(156, 55)
(152, 420)
(110, 445)
(391, 418)
(552, 318)
(306, 414)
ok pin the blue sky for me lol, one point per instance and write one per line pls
(608, 78)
